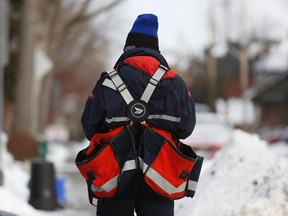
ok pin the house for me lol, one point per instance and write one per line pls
(271, 94)
(273, 102)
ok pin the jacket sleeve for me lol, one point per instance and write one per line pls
(188, 118)
(94, 112)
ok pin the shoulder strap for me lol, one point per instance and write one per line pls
(117, 84)
(136, 110)
(120, 86)
(153, 83)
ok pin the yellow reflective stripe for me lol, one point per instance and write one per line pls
(163, 183)
(192, 185)
(107, 187)
(129, 165)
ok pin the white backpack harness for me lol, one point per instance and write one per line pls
(137, 110)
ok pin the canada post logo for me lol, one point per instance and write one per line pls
(138, 110)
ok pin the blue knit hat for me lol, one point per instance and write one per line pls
(143, 33)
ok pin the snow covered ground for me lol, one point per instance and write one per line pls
(247, 178)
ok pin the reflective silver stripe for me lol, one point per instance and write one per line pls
(96, 189)
(157, 116)
(115, 78)
(141, 162)
(158, 75)
(192, 185)
(108, 83)
(163, 183)
(129, 165)
(107, 187)
(112, 183)
(153, 83)
(117, 119)
(143, 166)
(165, 117)
(120, 86)
(126, 95)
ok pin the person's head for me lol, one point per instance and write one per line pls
(143, 33)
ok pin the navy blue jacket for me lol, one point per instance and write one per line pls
(170, 98)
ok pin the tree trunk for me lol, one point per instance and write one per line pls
(23, 102)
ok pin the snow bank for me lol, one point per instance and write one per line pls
(12, 203)
(15, 189)
(245, 179)
(270, 198)
(14, 193)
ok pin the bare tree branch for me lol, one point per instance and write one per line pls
(53, 26)
(106, 8)
(83, 17)
(84, 7)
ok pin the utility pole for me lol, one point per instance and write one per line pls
(3, 61)
(212, 63)
(244, 76)
(23, 113)
(244, 62)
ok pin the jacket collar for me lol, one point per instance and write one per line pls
(142, 52)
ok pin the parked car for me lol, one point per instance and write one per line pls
(202, 108)
(212, 132)
(274, 135)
